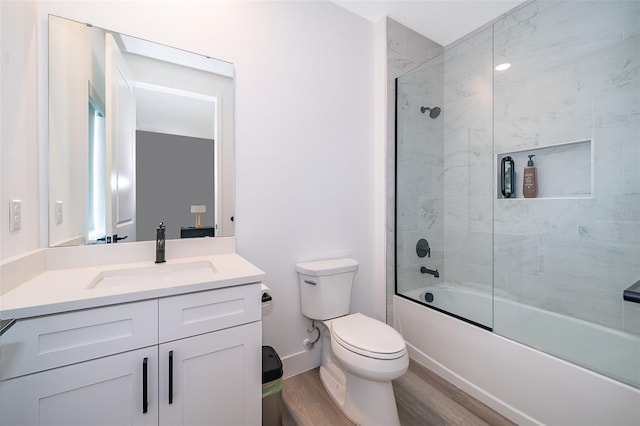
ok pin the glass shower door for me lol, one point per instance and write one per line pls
(443, 182)
(564, 258)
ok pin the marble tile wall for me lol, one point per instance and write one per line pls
(419, 175)
(406, 50)
(468, 164)
(575, 75)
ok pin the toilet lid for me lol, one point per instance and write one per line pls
(367, 336)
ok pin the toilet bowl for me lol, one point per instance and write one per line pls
(358, 367)
(360, 355)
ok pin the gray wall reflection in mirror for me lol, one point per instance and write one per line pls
(111, 98)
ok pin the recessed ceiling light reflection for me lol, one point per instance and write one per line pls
(503, 67)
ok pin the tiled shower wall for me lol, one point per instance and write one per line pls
(406, 50)
(419, 178)
(468, 165)
(575, 77)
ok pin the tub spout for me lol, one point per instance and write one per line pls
(430, 271)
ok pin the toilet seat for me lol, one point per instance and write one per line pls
(368, 337)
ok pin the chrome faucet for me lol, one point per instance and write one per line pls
(160, 240)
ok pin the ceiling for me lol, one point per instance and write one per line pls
(442, 21)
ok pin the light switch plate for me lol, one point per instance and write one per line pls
(58, 212)
(15, 215)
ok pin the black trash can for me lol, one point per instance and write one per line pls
(271, 387)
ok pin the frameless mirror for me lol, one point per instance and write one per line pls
(139, 133)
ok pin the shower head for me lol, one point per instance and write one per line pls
(433, 111)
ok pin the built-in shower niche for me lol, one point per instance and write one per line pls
(563, 170)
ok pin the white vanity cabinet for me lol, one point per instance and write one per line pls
(196, 358)
(211, 370)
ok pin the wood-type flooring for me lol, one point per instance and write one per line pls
(423, 398)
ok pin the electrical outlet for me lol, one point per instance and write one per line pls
(15, 215)
(58, 212)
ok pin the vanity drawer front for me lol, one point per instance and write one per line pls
(40, 343)
(202, 312)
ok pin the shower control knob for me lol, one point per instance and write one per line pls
(422, 248)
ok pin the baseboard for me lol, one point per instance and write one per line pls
(302, 361)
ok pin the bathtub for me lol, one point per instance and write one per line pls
(525, 384)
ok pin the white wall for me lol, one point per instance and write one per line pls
(19, 155)
(305, 138)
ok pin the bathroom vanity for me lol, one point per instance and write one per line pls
(135, 343)
(99, 333)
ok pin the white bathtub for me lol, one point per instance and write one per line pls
(527, 385)
(613, 353)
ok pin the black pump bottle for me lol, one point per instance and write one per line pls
(507, 177)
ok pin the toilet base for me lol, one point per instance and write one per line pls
(364, 402)
(334, 383)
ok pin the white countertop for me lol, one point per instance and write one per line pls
(60, 290)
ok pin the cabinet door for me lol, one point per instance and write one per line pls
(216, 378)
(105, 391)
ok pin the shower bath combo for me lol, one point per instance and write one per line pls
(546, 273)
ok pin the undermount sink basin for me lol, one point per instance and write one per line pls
(169, 273)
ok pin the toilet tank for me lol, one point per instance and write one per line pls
(325, 287)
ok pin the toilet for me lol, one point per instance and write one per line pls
(360, 355)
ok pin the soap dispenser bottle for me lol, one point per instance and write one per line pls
(530, 180)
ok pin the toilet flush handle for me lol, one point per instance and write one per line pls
(310, 282)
